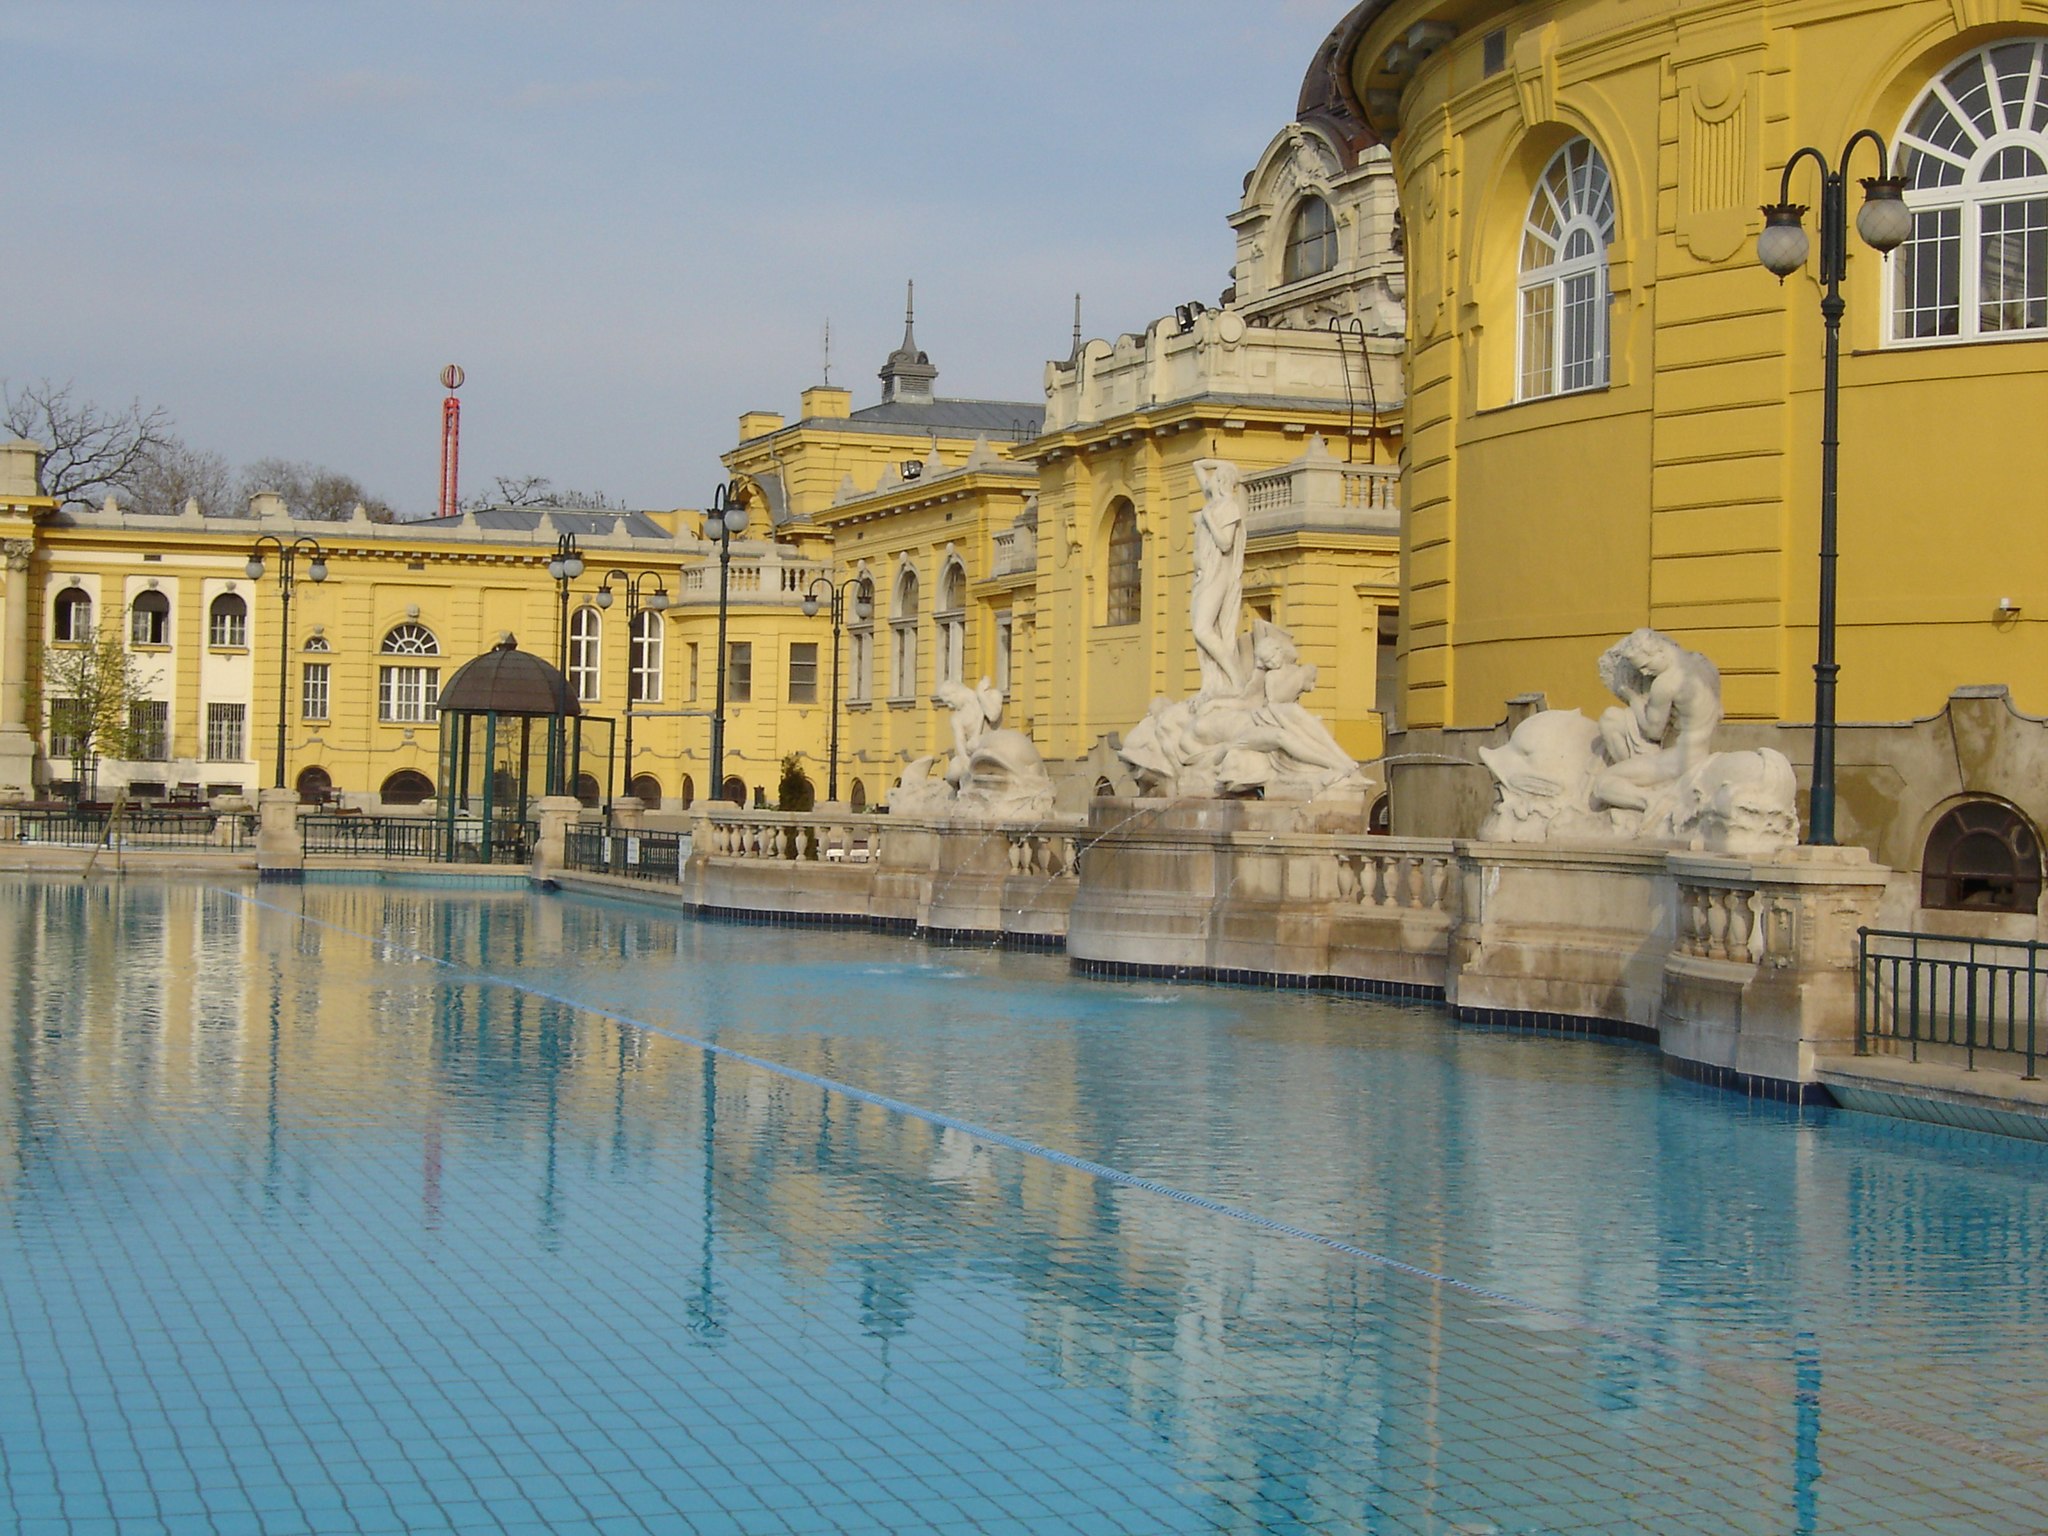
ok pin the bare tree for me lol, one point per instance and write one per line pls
(313, 491)
(539, 491)
(89, 451)
(175, 474)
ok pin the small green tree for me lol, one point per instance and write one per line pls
(92, 691)
(793, 792)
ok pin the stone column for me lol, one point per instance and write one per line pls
(556, 814)
(280, 851)
(17, 741)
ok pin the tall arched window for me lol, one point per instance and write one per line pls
(643, 672)
(409, 692)
(71, 616)
(1974, 152)
(1982, 856)
(903, 637)
(1564, 274)
(1311, 242)
(1126, 573)
(149, 619)
(951, 619)
(227, 622)
(586, 631)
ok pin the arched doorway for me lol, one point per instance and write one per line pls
(408, 786)
(735, 790)
(1982, 856)
(688, 796)
(588, 790)
(315, 787)
(646, 788)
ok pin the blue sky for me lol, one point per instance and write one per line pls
(628, 222)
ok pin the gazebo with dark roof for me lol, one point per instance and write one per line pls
(492, 703)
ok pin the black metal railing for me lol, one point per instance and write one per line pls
(1924, 989)
(70, 828)
(636, 855)
(374, 837)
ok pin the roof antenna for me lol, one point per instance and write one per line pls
(828, 351)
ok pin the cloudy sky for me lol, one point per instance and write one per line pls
(628, 222)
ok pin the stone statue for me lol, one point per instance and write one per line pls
(1245, 732)
(991, 775)
(1645, 771)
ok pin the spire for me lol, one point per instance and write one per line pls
(908, 374)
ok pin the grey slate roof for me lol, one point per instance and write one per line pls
(997, 418)
(585, 525)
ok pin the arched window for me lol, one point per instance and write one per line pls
(315, 786)
(1126, 578)
(643, 669)
(586, 631)
(857, 798)
(1982, 856)
(408, 693)
(1974, 152)
(1311, 242)
(903, 638)
(1564, 274)
(71, 616)
(588, 791)
(1104, 790)
(149, 619)
(406, 787)
(411, 640)
(687, 797)
(736, 789)
(951, 619)
(227, 622)
(646, 788)
(317, 643)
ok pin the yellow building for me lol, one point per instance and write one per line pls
(401, 606)
(1614, 411)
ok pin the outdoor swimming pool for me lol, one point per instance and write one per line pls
(357, 1207)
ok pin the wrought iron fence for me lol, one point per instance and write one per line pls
(1922, 989)
(636, 855)
(374, 837)
(72, 828)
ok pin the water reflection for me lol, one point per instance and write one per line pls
(1704, 1317)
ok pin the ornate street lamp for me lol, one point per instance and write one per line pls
(726, 521)
(316, 570)
(863, 589)
(1884, 221)
(655, 601)
(565, 567)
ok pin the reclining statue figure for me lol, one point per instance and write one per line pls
(990, 775)
(1645, 771)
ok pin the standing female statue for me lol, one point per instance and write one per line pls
(1219, 579)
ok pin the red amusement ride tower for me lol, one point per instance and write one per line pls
(451, 440)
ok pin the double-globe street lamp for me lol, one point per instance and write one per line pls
(316, 570)
(862, 587)
(655, 602)
(724, 522)
(1884, 221)
(564, 567)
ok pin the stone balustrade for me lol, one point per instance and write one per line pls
(753, 580)
(1052, 853)
(1382, 873)
(1320, 490)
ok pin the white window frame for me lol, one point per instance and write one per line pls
(951, 621)
(315, 690)
(226, 629)
(1323, 242)
(586, 654)
(408, 695)
(739, 681)
(1574, 196)
(794, 647)
(645, 647)
(903, 637)
(157, 612)
(2011, 115)
(227, 733)
(71, 617)
(860, 664)
(1006, 650)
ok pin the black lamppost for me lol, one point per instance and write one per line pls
(655, 601)
(565, 567)
(316, 570)
(863, 589)
(726, 521)
(1884, 222)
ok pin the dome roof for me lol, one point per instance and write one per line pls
(508, 681)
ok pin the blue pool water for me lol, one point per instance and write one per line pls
(363, 1208)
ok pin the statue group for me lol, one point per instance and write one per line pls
(1645, 771)
(1245, 732)
(991, 774)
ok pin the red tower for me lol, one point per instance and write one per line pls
(451, 441)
